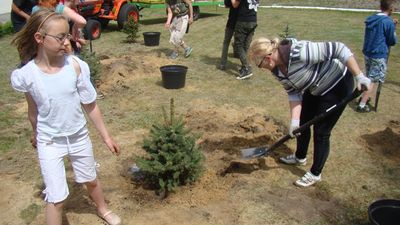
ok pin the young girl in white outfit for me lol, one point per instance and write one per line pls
(57, 86)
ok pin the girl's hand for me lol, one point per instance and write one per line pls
(33, 140)
(190, 20)
(112, 146)
(167, 25)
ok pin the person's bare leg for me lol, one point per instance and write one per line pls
(184, 45)
(96, 193)
(367, 94)
(54, 213)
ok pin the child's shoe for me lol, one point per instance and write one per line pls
(244, 73)
(365, 109)
(188, 51)
(173, 55)
(110, 218)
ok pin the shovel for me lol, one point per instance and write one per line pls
(378, 89)
(250, 153)
(378, 93)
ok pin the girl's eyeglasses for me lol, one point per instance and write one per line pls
(60, 38)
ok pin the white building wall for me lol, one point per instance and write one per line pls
(5, 6)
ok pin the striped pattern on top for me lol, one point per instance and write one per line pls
(317, 66)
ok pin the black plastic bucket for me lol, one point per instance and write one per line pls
(384, 212)
(151, 38)
(173, 76)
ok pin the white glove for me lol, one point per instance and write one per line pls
(362, 81)
(294, 124)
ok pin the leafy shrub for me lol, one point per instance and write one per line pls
(174, 158)
(6, 28)
(131, 28)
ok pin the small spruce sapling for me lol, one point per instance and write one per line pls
(173, 158)
(287, 33)
(94, 64)
(131, 28)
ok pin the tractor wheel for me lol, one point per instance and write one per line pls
(92, 30)
(196, 13)
(126, 11)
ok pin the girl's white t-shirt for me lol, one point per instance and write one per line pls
(58, 96)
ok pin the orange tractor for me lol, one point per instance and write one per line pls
(98, 14)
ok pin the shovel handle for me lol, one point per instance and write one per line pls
(317, 118)
(378, 93)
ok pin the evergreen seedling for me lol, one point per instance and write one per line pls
(174, 158)
(94, 63)
(287, 33)
(131, 28)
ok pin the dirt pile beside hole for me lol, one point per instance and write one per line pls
(385, 142)
(229, 130)
(121, 72)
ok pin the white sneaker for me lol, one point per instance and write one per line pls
(293, 160)
(307, 180)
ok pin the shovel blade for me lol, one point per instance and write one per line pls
(250, 153)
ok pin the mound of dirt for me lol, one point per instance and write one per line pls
(385, 142)
(121, 72)
(231, 130)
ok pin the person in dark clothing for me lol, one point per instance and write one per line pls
(20, 12)
(229, 31)
(244, 30)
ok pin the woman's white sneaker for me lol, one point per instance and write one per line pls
(307, 180)
(293, 160)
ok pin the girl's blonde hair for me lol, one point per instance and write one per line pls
(261, 47)
(25, 41)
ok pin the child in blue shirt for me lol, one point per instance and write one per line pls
(380, 34)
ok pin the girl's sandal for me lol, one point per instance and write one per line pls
(110, 218)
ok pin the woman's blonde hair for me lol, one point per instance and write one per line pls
(25, 41)
(261, 47)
